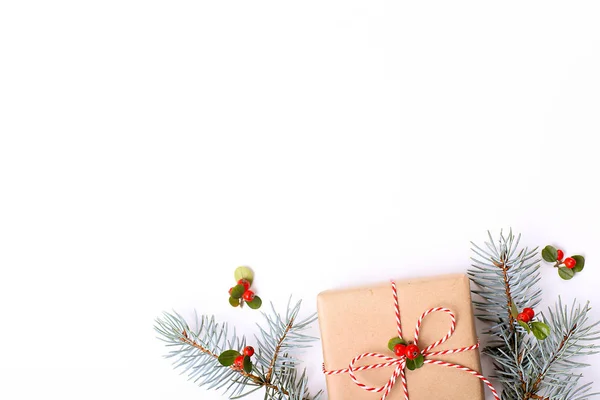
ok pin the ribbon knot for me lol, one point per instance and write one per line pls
(400, 361)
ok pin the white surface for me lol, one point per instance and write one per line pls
(148, 148)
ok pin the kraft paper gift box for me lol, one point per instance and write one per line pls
(360, 320)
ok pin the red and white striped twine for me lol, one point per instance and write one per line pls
(400, 362)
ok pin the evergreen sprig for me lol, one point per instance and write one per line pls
(507, 277)
(196, 353)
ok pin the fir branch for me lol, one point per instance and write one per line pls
(197, 351)
(569, 340)
(277, 343)
(278, 349)
(509, 299)
(507, 275)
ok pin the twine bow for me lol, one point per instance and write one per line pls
(400, 362)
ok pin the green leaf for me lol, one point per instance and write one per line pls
(580, 260)
(565, 273)
(238, 291)
(234, 302)
(228, 357)
(513, 310)
(540, 330)
(394, 341)
(244, 273)
(410, 364)
(255, 303)
(419, 361)
(525, 326)
(247, 364)
(549, 254)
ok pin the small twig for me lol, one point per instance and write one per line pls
(203, 349)
(521, 377)
(540, 378)
(277, 349)
(511, 318)
(256, 379)
(509, 299)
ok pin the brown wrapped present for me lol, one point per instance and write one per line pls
(362, 320)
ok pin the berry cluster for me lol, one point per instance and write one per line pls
(414, 357)
(236, 360)
(238, 363)
(526, 317)
(567, 267)
(241, 293)
(410, 351)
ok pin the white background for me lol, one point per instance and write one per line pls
(148, 148)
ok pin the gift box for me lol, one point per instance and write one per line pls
(359, 321)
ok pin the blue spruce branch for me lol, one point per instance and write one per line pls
(507, 276)
(196, 353)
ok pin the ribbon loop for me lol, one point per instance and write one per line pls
(400, 363)
(390, 361)
(442, 340)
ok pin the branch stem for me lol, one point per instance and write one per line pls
(531, 394)
(256, 379)
(277, 349)
(511, 318)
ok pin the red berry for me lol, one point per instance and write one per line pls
(248, 351)
(245, 283)
(248, 295)
(239, 362)
(530, 313)
(400, 349)
(559, 255)
(230, 289)
(412, 351)
(570, 262)
(523, 317)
